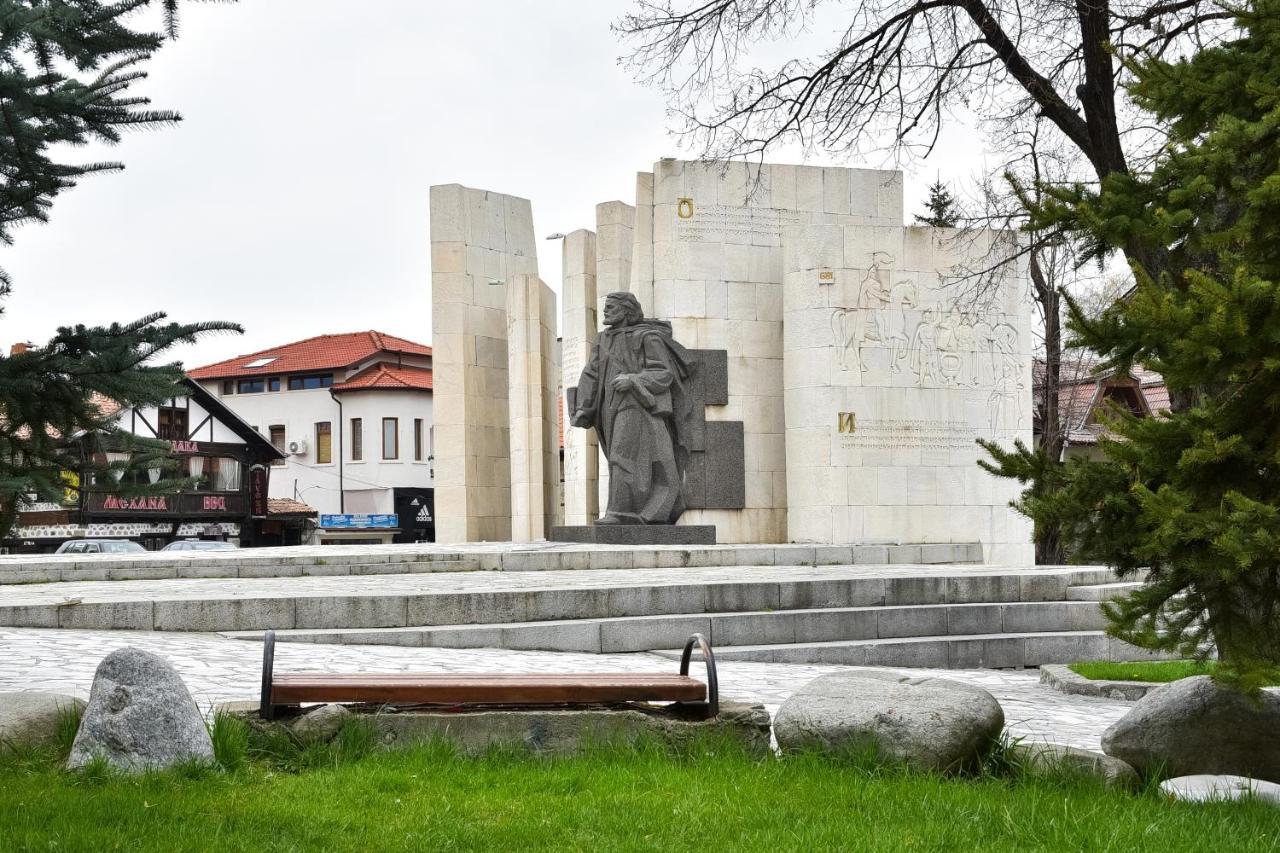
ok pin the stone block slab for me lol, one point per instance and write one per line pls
(637, 534)
(656, 632)
(239, 614)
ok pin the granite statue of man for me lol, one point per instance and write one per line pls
(633, 391)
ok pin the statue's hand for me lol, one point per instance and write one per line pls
(625, 382)
(580, 419)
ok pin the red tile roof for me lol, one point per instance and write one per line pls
(288, 506)
(323, 352)
(388, 376)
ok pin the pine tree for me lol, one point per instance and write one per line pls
(942, 209)
(1192, 497)
(66, 68)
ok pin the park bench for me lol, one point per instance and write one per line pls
(466, 690)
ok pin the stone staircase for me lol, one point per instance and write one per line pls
(974, 619)
(806, 605)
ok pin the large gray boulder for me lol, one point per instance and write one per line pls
(33, 719)
(140, 716)
(928, 723)
(1196, 726)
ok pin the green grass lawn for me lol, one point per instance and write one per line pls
(707, 799)
(1153, 671)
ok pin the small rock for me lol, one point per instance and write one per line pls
(140, 716)
(32, 719)
(321, 724)
(1205, 787)
(1113, 772)
(930, 723)
(1196, 725)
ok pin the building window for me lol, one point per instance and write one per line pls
(310, 383)
(417, 439)
(251, 386)
(222, 473)
(390, 438)
(324, 443)
(357, 439)
(273, 384)
(228, 387)
(171, 423)
(278, 441)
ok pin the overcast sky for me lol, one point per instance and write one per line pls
(293, 199)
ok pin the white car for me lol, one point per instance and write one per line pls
(199, 545)
(99, 546)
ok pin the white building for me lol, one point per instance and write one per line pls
(353, 414)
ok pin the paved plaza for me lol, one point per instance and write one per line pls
(217, 669)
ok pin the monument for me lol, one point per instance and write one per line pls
(634, 392)
(842, 365)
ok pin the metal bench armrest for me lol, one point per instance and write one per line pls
(708, 658)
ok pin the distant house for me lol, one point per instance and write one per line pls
(1085, 396)
(352, 416)
(229, 462)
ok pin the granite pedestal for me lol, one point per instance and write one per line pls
(637, 534)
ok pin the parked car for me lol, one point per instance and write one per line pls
(199, 545)
(99, 546)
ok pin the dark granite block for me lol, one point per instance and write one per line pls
(714, 367)
(725, 466)
(637, 534)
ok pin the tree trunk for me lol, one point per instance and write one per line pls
(1048, 538)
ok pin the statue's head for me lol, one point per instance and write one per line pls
(622, 309)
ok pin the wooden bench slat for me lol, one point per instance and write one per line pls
(489, 689)
(486, 688)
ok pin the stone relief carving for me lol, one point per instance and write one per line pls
(951, 346)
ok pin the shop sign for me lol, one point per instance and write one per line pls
(153, 503)
(359, 521)
(258, 491)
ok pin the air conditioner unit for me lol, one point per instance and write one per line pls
(298, 447)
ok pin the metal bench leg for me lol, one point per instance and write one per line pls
(713, 683)
(265, 708)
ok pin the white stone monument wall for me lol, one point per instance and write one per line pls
(578, 333)
(534, 379)
(477, 237)
(892, 371)
(717, 274)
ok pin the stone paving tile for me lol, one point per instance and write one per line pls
(480, 581)
(218, 669)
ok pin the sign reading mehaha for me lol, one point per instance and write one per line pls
(359, 521)
(155, 503)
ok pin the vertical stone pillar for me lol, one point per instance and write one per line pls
(479, 239)
(615, 248)
(578, 333)
(535, 472)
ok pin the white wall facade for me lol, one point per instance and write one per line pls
(366, 484)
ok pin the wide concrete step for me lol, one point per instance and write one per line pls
(1101, 591)
(974, 651)
(321, 561)
(402, 601)
(724, 630)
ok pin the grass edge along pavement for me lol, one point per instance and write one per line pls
(1155, 672)
(348, 795)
